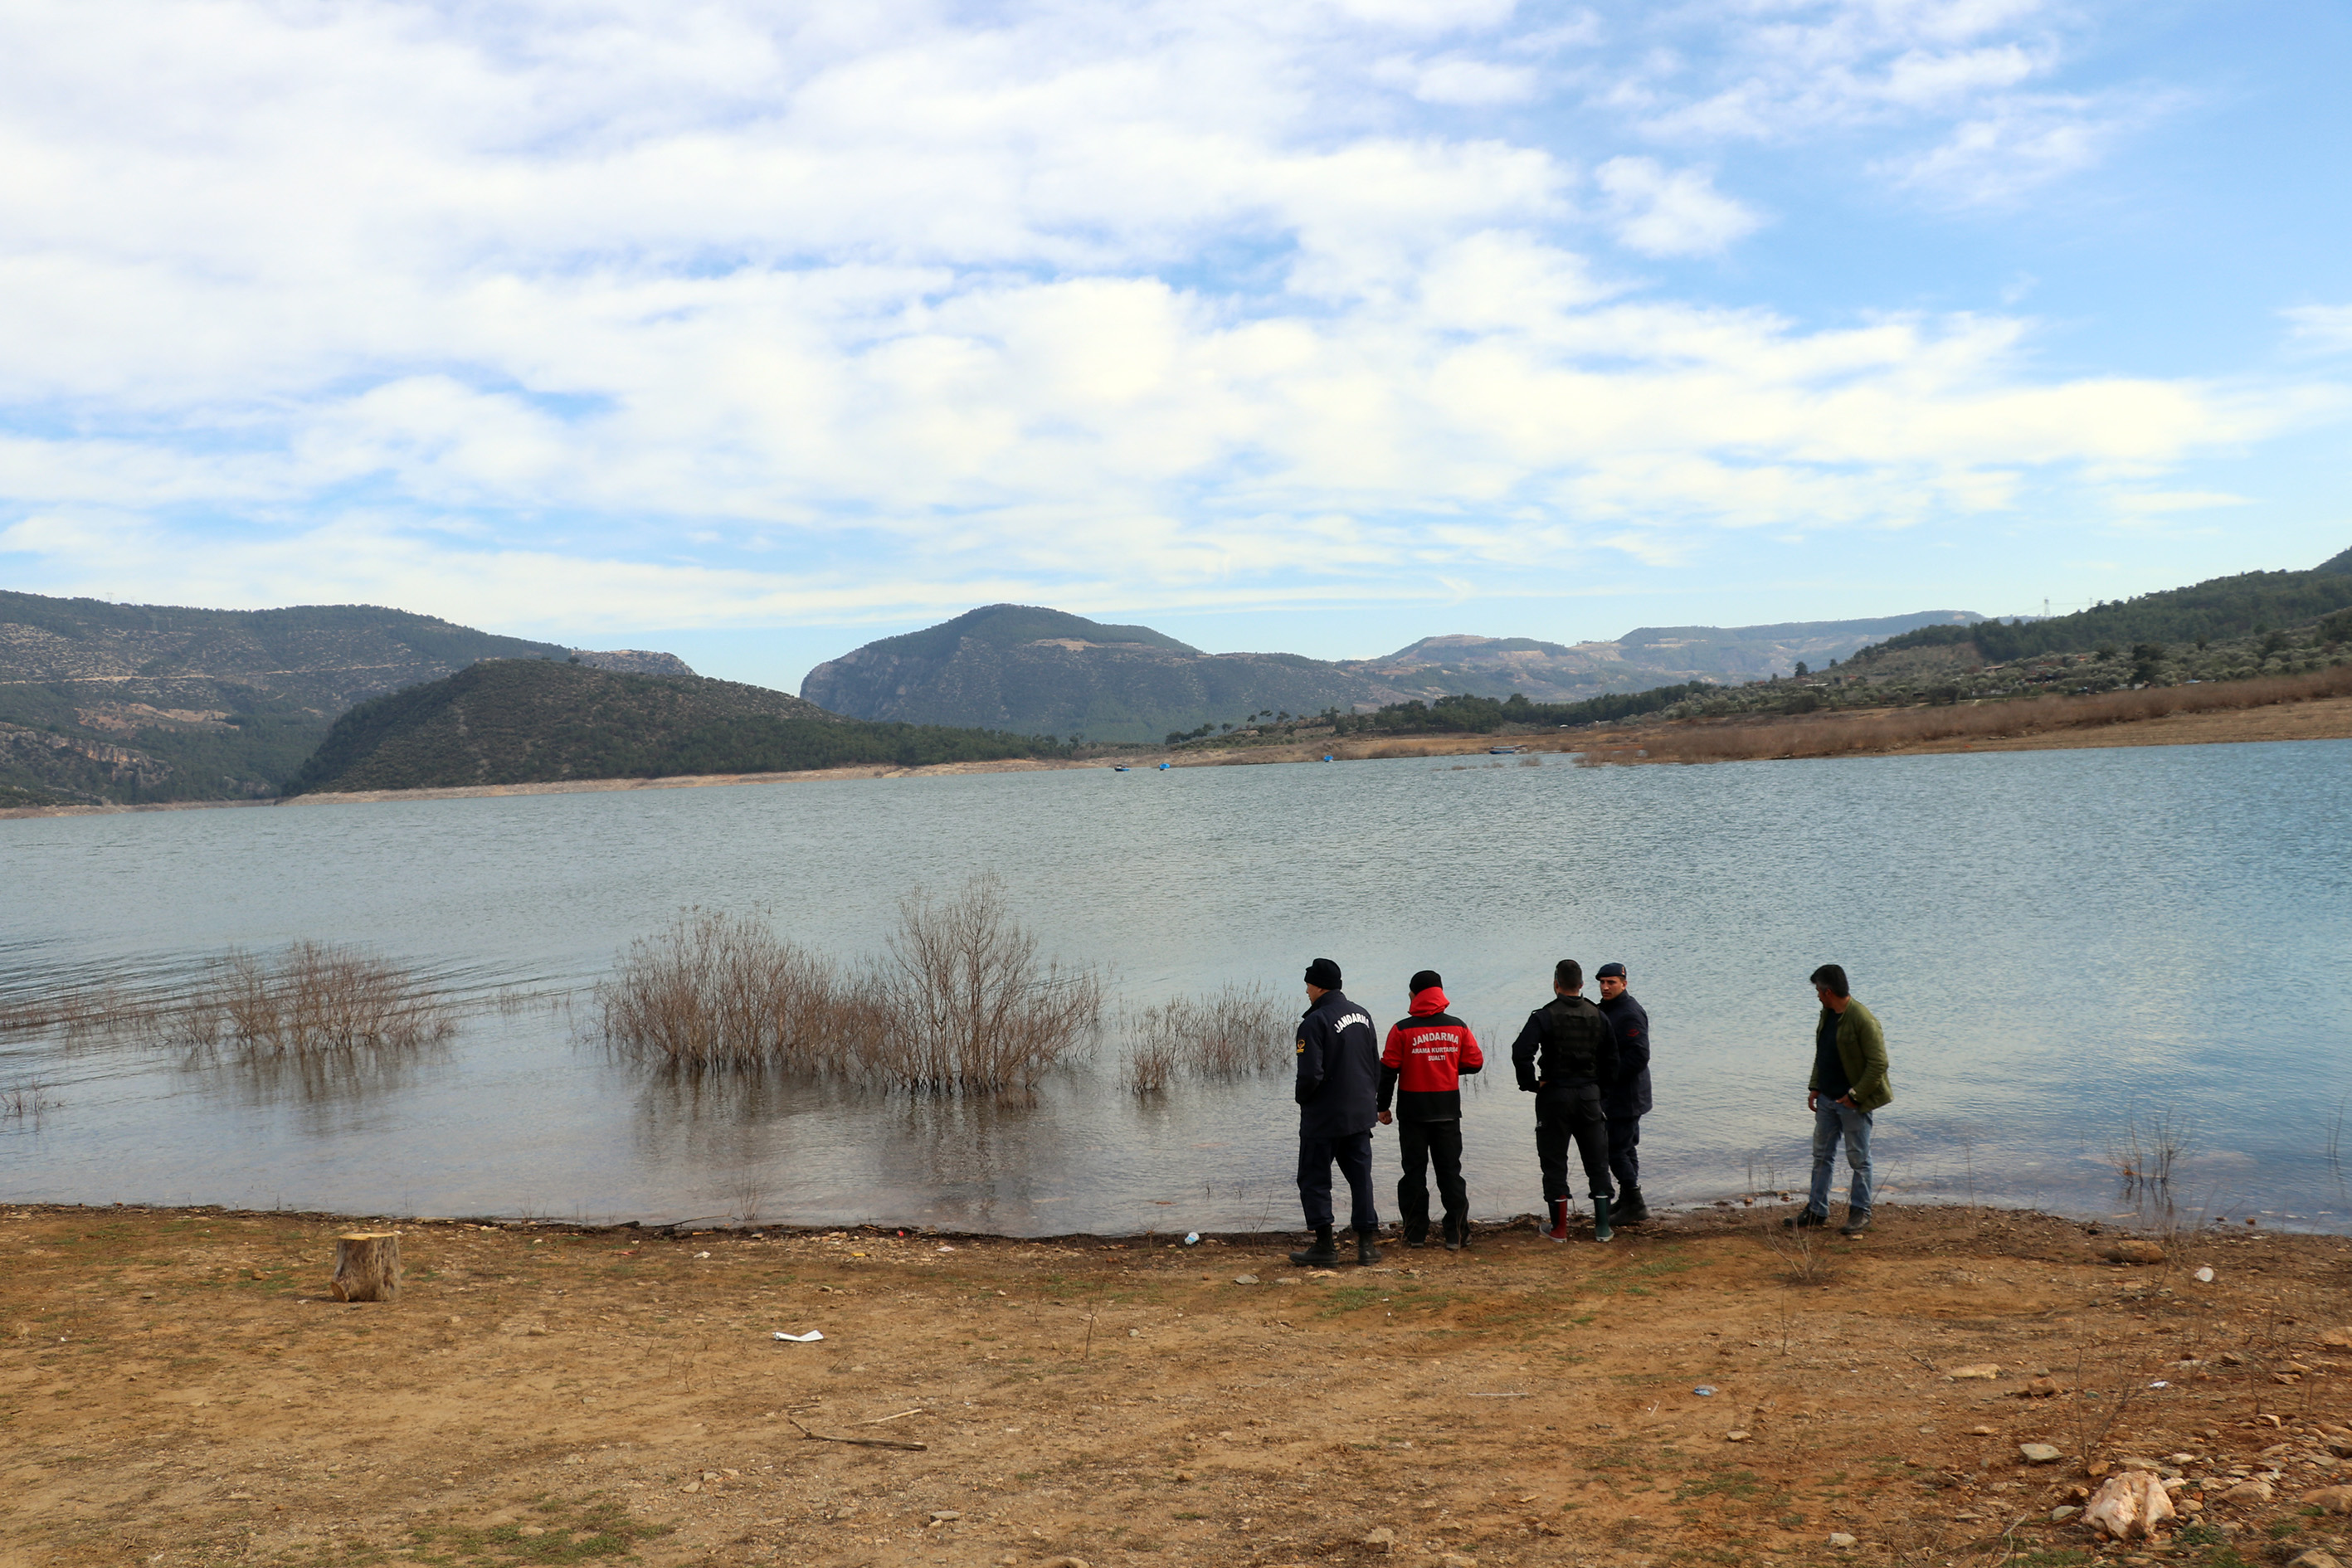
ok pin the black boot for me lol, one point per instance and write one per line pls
(1458, 1233)
(1368, 1247)
(1322, 1255)
(1629, 1208)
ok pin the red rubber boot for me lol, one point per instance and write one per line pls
(1558, 1231)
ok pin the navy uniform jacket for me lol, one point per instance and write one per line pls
(1339, 1083)
(1630, 1095)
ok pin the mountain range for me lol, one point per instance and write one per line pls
(1043, 671)
(146, 702)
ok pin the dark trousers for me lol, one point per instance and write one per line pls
(1354, 1155)
(1418, 1144)
(1558, 1119)
(1625, 1152)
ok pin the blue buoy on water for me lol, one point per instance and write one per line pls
(1163, 767)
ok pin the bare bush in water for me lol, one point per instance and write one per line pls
(1234, 1032)
(2143, 1158)
(716, 990)
(313, 1000)
(966, 1005)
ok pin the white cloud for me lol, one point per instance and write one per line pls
(706, 310)
(1660, 212)
(2324, 327)
(1454, 80)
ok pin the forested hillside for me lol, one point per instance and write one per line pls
(526, 721)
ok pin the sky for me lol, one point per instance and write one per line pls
(754, 332)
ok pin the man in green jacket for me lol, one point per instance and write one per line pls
(1849, 1082)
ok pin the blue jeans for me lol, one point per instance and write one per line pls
(1831, 1123)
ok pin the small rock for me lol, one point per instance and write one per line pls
(1983, 1369)
(1384, 1539)
(1734, 1436)
(2038, 1453)
(1980, 1432)
(534, 1530)
(2063, 1512)
(1244, 1279)
(944, 1516)
(573, 1459)
(2248, 1491)
(1064, 1563)
(1183, 1475)
(2316, 1558)
(2042, 1388)
(1842, 1541)
(1456, 1560)
(2135, 1251)
(2335, 1499)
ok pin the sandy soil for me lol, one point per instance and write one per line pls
(174, 1391)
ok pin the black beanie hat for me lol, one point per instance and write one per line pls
(1324, 975)
(1427, 980)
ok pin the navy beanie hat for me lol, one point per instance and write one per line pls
(1610, 971)
(1324, 975)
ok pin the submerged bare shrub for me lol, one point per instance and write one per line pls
(717, 990)
(1149, 1064)
(313, 1000)
(963, 1003)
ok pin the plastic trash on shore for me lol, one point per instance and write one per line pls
(807, 1339)
(1191, 1239)
(2203, 1277)
(1704, 1392)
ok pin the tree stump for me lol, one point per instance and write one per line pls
(367, 1266)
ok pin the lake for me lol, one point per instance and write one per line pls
(2057, 942)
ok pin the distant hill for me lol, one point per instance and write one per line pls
(2215, 609)
(531, 721)
(124, 703)
(1647, 656)
(1018, 667)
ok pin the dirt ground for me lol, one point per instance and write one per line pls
(176, 1390)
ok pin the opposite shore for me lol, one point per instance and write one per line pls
(2316, 719)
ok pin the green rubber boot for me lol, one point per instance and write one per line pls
(1600, 1231)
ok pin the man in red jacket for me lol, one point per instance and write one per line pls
(1421, 1067)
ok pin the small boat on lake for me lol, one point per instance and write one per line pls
(1502, 751)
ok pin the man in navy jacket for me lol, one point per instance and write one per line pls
(1338, 1089)
(1626, 1101)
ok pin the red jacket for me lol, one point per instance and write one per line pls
(1425, 1059)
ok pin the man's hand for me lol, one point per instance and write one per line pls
(1846, 1099)
(1812, 1100)
(1386, 1119)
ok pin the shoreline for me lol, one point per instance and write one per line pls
(1705, 1211)
(2316, 718)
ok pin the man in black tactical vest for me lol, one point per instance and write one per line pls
(1566, 1056)
(1338, 1091)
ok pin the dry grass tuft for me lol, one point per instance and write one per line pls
(1882, 730)
(716, 990)
(315, 1000)
(1233, 1033)
(960, 1003)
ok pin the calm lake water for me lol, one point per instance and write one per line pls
(2057, 942)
